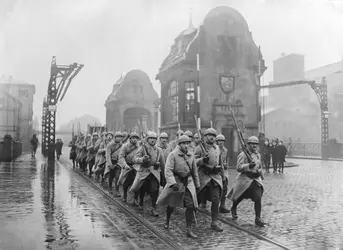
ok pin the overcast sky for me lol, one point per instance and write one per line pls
(115, 36)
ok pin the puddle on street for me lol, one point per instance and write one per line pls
(41, 208)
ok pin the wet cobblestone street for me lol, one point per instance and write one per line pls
(44, 209)
(60, 209)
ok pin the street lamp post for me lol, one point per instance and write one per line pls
(157, 103)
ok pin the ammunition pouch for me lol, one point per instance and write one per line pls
(252, 175)
(156, 166)
(146, 164)
(217, 170)
(184, 178)
(207, 169)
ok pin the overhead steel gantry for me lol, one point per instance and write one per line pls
(322, 94)
(60, 79)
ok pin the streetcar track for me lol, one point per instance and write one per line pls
(153, 229)
(126, 209)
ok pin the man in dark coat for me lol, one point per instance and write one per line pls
(281, 155)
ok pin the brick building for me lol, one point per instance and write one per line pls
(24, 93)
(133, 103)
(226, 52)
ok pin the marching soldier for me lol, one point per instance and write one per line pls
(211, 184)
(191, 146)
(92, 148)
(112, 169)
(73, 154)
(128, 173)
(151, 160)
(248, 184)
(100, 169)
(98, 156)
(163, 144)
(182, 182)
(173, 143)
(220, 140)
(83, 152)
(196, 140)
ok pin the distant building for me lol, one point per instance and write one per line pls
(133, 104)
(299, 104)
(227, 56)
(10, 113)
(25, 93)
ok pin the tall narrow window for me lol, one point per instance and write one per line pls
(189, 100)
(173, 96)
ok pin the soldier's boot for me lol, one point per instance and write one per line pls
(116, 190)
(125, 188)
(214, 214)
(222, 208)
(154, 196)
(189, 220)
(141, 201)
(90, 170)
(135, 199)
(234, 212)
(259, 222)
(169, 213)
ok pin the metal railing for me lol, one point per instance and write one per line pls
(335, 150)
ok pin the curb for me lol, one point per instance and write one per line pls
(313, 158)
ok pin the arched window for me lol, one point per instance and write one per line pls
(173, 97)
(189, 101)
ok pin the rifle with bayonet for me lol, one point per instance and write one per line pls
(244, 146)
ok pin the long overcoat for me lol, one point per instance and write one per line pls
(102, 155)
(126, 154)
(164, 149)
(214, 153)
(243, 181)
(83, 150)
(176, 166)
(156, 155)
(224, 161)
(112, 154)
(91, 150)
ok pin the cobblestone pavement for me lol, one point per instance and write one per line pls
(44, 209)
(303, 206)
(231, 238)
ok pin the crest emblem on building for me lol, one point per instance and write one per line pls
(227, 83)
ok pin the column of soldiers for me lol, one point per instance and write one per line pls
(189, 170)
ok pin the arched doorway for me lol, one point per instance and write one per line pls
(137, 118)
(228, 132)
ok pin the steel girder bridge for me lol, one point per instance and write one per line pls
(60, 79)
(322, 93)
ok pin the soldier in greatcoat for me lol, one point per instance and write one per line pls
(196, 140)
(83, 152)
(182, 182)
(248, 184)
(112, 169)
(191, 146)
(172, 145)
(73, 154)
(98, 156)
(163, 144)
(92, 148)
(151, 160)
(210, 175)
(220, 140)
(99, 171)
(129, 169)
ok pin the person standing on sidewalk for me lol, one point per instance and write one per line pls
(248, 184)
(58, 148)
(34, 145)
(73, 154)
(112, 169)
(266, 154)
(281, 155)
(211, 183)
(182, 182)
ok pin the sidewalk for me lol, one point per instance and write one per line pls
(313, 158)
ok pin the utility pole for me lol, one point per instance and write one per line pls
(56, 92)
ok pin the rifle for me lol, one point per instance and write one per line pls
(244, 146)
(202, 143)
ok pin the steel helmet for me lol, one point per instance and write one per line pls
(124, 134)
(103, 133)
(118, 133)
(210, 131)
(253, 139)
(164, 135)
(196, 136)
(134, 134)
(109, 133)
(189, 133)
(95, 134)
(220, 137)
(180, 132)
(183, 138)
(151, 134)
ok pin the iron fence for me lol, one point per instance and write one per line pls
(335, 150)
